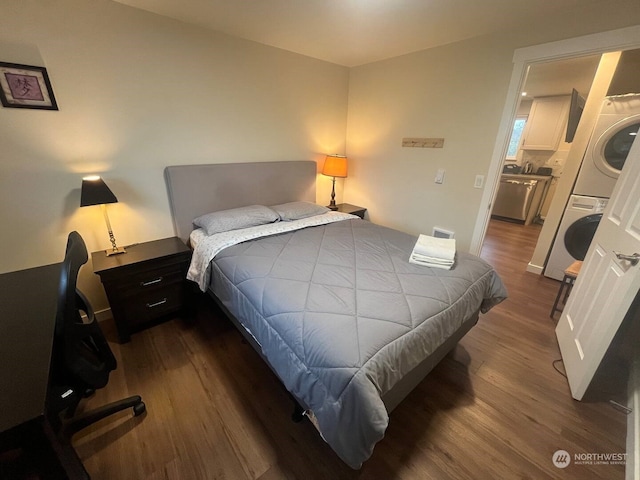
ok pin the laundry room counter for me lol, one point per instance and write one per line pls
(527, 176)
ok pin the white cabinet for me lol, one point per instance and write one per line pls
(546, 123)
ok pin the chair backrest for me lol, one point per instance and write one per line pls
(75, 256)
(82, 357)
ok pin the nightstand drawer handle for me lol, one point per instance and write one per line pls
(157, 304)
(151, 282)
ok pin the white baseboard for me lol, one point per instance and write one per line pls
(103, 314)
(633, 425)
(537, 269)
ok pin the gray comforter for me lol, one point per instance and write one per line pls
(341, 315)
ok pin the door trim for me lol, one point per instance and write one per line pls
(614, 40)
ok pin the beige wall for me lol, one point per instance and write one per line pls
(138, 92)
(457, 92)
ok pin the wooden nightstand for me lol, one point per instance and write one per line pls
(145, 284)
(352, 209)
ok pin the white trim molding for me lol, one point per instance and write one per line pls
(100, 316)
(537, 269)
(103, 315)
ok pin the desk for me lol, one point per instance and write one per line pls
(28, 302)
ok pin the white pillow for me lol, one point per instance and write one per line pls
(236, 218)
(298, 210)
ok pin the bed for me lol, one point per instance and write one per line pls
(329, 301)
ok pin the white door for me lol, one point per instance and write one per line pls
(607, 283)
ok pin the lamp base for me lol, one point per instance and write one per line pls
(115, 251)
(332, 204)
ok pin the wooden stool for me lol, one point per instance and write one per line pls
(570, 275)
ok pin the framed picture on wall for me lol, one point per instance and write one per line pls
(24, 86)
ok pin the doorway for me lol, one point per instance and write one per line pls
(530, 173)
(596, 44)
(613, 76)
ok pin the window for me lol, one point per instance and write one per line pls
(516, 136)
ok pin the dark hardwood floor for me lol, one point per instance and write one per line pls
(494, 408)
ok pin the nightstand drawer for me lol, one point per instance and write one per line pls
(141, 282)
(155, 304)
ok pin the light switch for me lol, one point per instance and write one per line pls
(479, 181)
(440, 176)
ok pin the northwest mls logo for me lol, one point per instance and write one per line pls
(561, 459)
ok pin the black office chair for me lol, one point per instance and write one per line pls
(82, 359)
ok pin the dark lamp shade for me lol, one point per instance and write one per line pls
(335, 166)
(95, 192)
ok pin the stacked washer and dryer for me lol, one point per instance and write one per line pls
(614, 132)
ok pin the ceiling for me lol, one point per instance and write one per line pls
(561, 76)
(355, 32)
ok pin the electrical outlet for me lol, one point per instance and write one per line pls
(479, 181)
(440, 176)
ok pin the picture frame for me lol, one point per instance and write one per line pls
(26, 86)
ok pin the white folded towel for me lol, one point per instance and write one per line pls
(417, 261)
(434, 252)
(444, 248)
(426, 259)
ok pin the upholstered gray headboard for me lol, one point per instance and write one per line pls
(198, 189)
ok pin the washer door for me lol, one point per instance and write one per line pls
(578, 236)
(613, 146)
